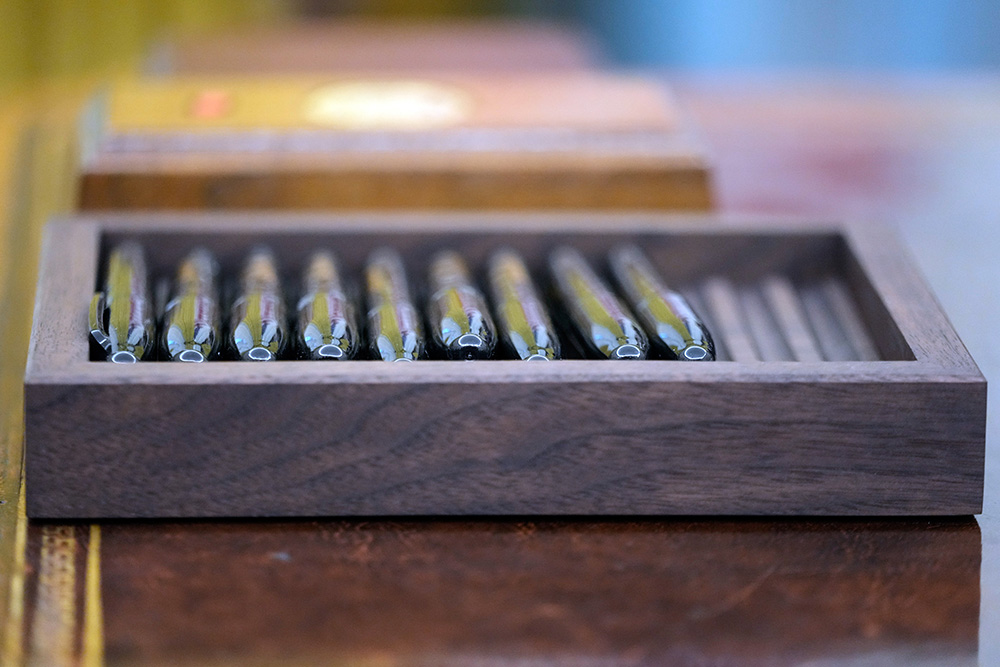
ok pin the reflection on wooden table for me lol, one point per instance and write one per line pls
(499, 592)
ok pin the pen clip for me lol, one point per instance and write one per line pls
(97, 329)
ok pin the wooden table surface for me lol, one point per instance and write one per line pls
(921, 153)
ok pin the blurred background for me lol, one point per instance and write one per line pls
(828, 34)
(55, 38)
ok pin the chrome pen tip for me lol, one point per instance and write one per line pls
(190, 356)
(123, 357)
(470, 346)
(328, 351)
(627, 351)
(694, 353)
(258, 354)
(470, 340)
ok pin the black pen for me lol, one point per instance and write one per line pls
(327, 322)
(671, 323)
(522, 319)
(258, 329)
(191, 322)
(394, 329)
(600, 321)
(460, 323)
(121, 316)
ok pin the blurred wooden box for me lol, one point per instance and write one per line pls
(447, 140)
(841, 387)
(359, 45)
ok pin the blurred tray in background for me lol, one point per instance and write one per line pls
(324, 47)
(431, 141)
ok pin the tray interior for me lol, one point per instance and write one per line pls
(774, 296)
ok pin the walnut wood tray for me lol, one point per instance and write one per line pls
(841, 390)
(559, 140)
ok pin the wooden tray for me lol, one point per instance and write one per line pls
(430, 141)
(843, 390)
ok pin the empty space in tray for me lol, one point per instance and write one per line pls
(773, 296)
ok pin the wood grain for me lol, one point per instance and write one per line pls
(574, 437)
(579, 592)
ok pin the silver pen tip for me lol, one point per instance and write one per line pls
(328, 351)
(190, 356)
(123, 357)
(469, 340)
(258, 354)
(695, 353)
(627, 351)
(469, 346)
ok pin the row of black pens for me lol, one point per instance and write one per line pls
(644, 319)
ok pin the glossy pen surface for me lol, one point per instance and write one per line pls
(669, 320)
(258, 330)
(394, 329)
(460, 322)
(599, 319)
(327, 323)
(523, 321)
(121, 317)
(191, 322)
